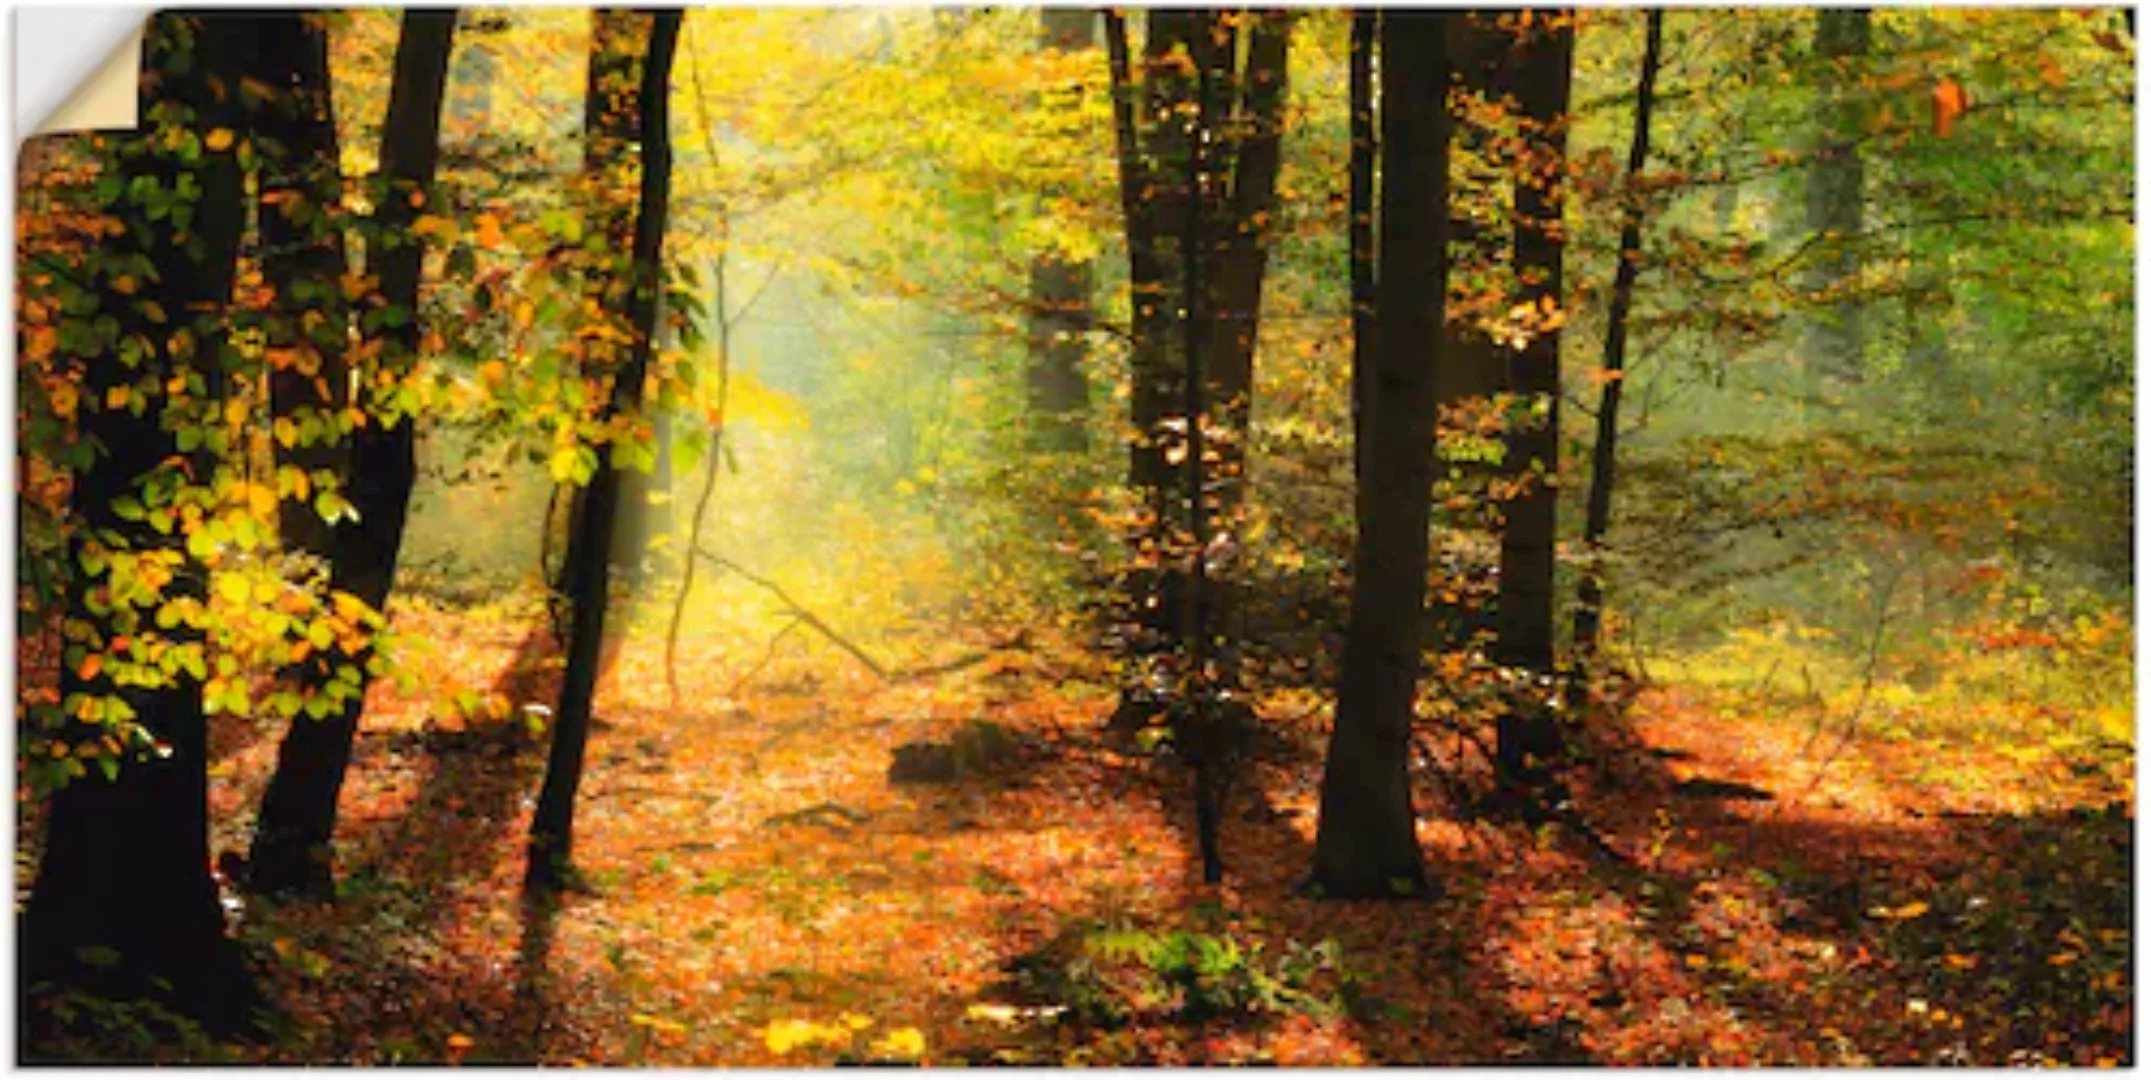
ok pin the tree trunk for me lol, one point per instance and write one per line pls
(1155, 202)
(1598, 506)
(607, 198)
(1059, 394)
(588, 569)
(1233, 304)
(1469, 382)
(124, 906)
(302, 263)
(1836, 180)
(1529, 734)
(1367, 845)
(291, 850)
(1359, 230)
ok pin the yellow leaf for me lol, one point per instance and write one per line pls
(219, 140)
(433, 225)
(901, 1043)
(460, 1041)
(1913, 910)
(116, 398)
(493, 371)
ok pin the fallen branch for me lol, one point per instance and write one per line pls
(798, 612)
(828, 815)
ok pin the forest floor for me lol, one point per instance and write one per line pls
(759, 892)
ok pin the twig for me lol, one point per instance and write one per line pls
(767, 655)
(798, 612)
(1867, 683)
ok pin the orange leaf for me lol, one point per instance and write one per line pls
(1950, 102)
(91, 665)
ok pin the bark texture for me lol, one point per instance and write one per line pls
(123, 906)
(1367, 844)
(291, 848)
(588, 569)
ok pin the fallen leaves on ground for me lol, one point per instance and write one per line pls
(758, 892)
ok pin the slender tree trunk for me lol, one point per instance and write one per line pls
(1529, 734)
(1195, 727)
(607, 198)
(1059, 393)
(291, 848)
(300, 181)
(1470, 380)
(1598, 506)
(1153, 152)
(588, 569)
(1240, 262)
(1367, 845)
(302, 262)
(123, 906)
(1836, 181)
(1359, 230)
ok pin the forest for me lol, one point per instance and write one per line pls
(1071, 536)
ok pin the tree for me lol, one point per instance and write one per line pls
(1469, 383)
(1836, 190)
(1155, 203)
(587, 568)
(1367, 844)
(1057, 390)
(1598, 507)
(123, 906)
(290, 852)
(610, 129)
(1528, 734)
(1359, 227)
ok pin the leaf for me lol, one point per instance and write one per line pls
(218, 140)
(1950, 102)
(234, 588)
(907, 1043)
(1903, 913)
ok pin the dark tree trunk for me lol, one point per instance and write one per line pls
(1154, 152)
(588, 569)
(1472, 374)
(1836, 181)
(1058, 393)
(1359, 230)
(291, 848)
(1598, 505)
(1239, 256)
(124, 906)
(302, 262)
(607, 198)
(1529, 734)
(1368, 845)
